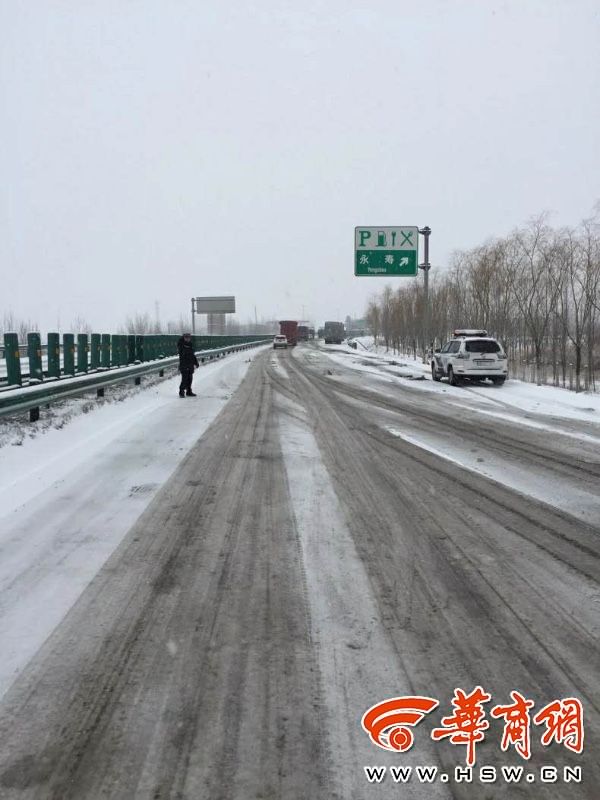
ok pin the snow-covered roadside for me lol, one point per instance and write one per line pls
(70, 496)
(549, 401)
(16, 430)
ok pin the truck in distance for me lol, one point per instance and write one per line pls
(334, 332)
(289, 329)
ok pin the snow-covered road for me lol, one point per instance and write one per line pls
(202, 605)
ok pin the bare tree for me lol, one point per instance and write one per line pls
(9, 323)
(140, 324)
(590, 247)
(81, 325)
(536, 286)
(177, 326)
(373, 318)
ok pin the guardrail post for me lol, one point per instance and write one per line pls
(34, 353)
(68, 354)
(115, 360)
(114, 350)
(53, 355)
(82, 352)
(105, 351)
(95, 351)
(13, 359)
(139, 348)
(130, 348)
(114, 343)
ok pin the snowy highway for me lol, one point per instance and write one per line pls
(256, 567)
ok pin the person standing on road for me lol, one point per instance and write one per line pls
(187, 364)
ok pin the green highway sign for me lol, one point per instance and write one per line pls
(386, 251)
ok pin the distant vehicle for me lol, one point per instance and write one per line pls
(334, 332)
(280, 341)
(303, 333)
(289, 329)
(311, 333)
(470, 355)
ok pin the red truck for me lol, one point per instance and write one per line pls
(289, 329)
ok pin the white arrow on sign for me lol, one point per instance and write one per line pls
(403, 261)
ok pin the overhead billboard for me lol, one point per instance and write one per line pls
(215, 305)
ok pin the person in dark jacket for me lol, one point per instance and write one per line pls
(187, 364)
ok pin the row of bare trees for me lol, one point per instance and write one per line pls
(144, 323)
(9, 323)
(537, 290)
(140, 323)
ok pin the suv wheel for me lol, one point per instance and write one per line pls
(452, 379)
(498, 381)
(435, 375)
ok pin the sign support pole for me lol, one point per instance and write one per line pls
(425, 266)
(193, 319)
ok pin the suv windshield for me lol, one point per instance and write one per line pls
(482, 346)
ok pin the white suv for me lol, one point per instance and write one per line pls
(280, 341)
(470, 355)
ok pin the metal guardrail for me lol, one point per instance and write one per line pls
(72, 354)
(29, 398)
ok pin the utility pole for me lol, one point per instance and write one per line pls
(425, 266)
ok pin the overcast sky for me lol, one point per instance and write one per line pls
(161, 149)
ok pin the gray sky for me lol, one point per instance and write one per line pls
(162, 149)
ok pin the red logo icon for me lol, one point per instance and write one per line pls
(389, 723)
